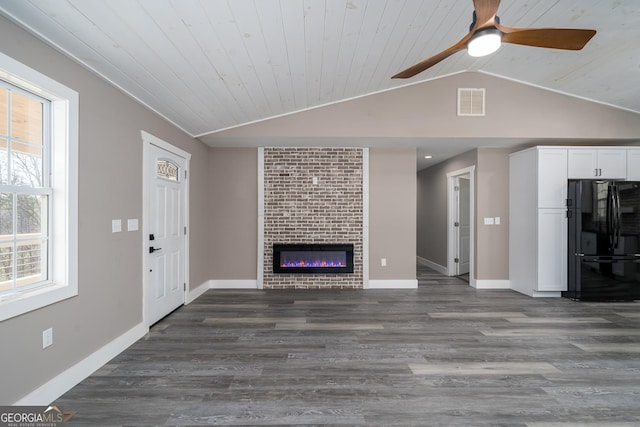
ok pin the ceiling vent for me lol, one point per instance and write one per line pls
(471, 101)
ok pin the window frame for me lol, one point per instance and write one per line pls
(63, 162)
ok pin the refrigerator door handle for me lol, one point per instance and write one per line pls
(617, 220)
(618, 217)
(610, 217)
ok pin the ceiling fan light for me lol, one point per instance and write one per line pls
(484, 42)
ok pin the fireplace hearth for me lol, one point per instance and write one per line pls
(321, 258)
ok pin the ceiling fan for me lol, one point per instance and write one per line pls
(486, 34)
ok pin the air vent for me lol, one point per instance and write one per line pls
(471, 101)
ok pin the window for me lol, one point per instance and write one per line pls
(24, 190)
(38, 189)
(166, 169)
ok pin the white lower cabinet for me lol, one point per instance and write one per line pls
(552, 250)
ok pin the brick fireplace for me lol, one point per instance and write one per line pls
(313, 196)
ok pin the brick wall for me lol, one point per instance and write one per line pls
(298, 211)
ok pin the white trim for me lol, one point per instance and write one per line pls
(538, 294)
(64, 219)
(432, 265)
(393, 284)
(88, 65)
(491, 284)
(451, 235)
(152, 139)
(233, 284)
(365, 218)
(63, 382)
(147, 141)
(260, 279)
(548, 89)
(193, 294)
(327, 104)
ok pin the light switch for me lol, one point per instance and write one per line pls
(47, 337)
(315, 180)
(496, 220)
(383, 262)
(132, 224)
(116, 225)
(488, 221)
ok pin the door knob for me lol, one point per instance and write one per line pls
(152, 249)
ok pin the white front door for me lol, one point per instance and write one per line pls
(166, 232)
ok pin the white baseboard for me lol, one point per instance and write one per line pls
(233, 284)
(195, 293)
(491, 284)
(56, 387)
(432, 265)
(393, 284)
(546, 294)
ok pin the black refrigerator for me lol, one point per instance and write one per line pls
(604, 234)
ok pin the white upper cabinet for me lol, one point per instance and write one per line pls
(633, 164)
(597, 163)
(552, 178)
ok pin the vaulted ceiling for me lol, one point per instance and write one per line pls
(211, 65)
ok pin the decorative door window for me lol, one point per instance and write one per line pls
(168, 170)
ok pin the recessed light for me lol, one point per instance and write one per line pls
(428, 157)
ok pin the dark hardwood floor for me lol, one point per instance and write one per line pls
(442, 355)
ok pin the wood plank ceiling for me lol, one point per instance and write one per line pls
(208, 65)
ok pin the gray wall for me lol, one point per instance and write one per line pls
(492, 200)
(392, 213)
(110, 187)
(428, 110)
(233, 222)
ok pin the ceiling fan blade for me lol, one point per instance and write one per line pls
(430, 62)
(485, 12)
(555, 38)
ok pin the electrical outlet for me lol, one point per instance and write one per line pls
(47, 337)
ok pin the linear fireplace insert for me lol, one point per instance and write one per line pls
(313, 258)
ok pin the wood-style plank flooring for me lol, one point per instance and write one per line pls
(442, 355)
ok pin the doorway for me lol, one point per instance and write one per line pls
(460, 230)
(165, 237)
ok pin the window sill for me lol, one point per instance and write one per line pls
(19, 303)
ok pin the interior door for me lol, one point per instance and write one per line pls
(167, 190)
(464, 225)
